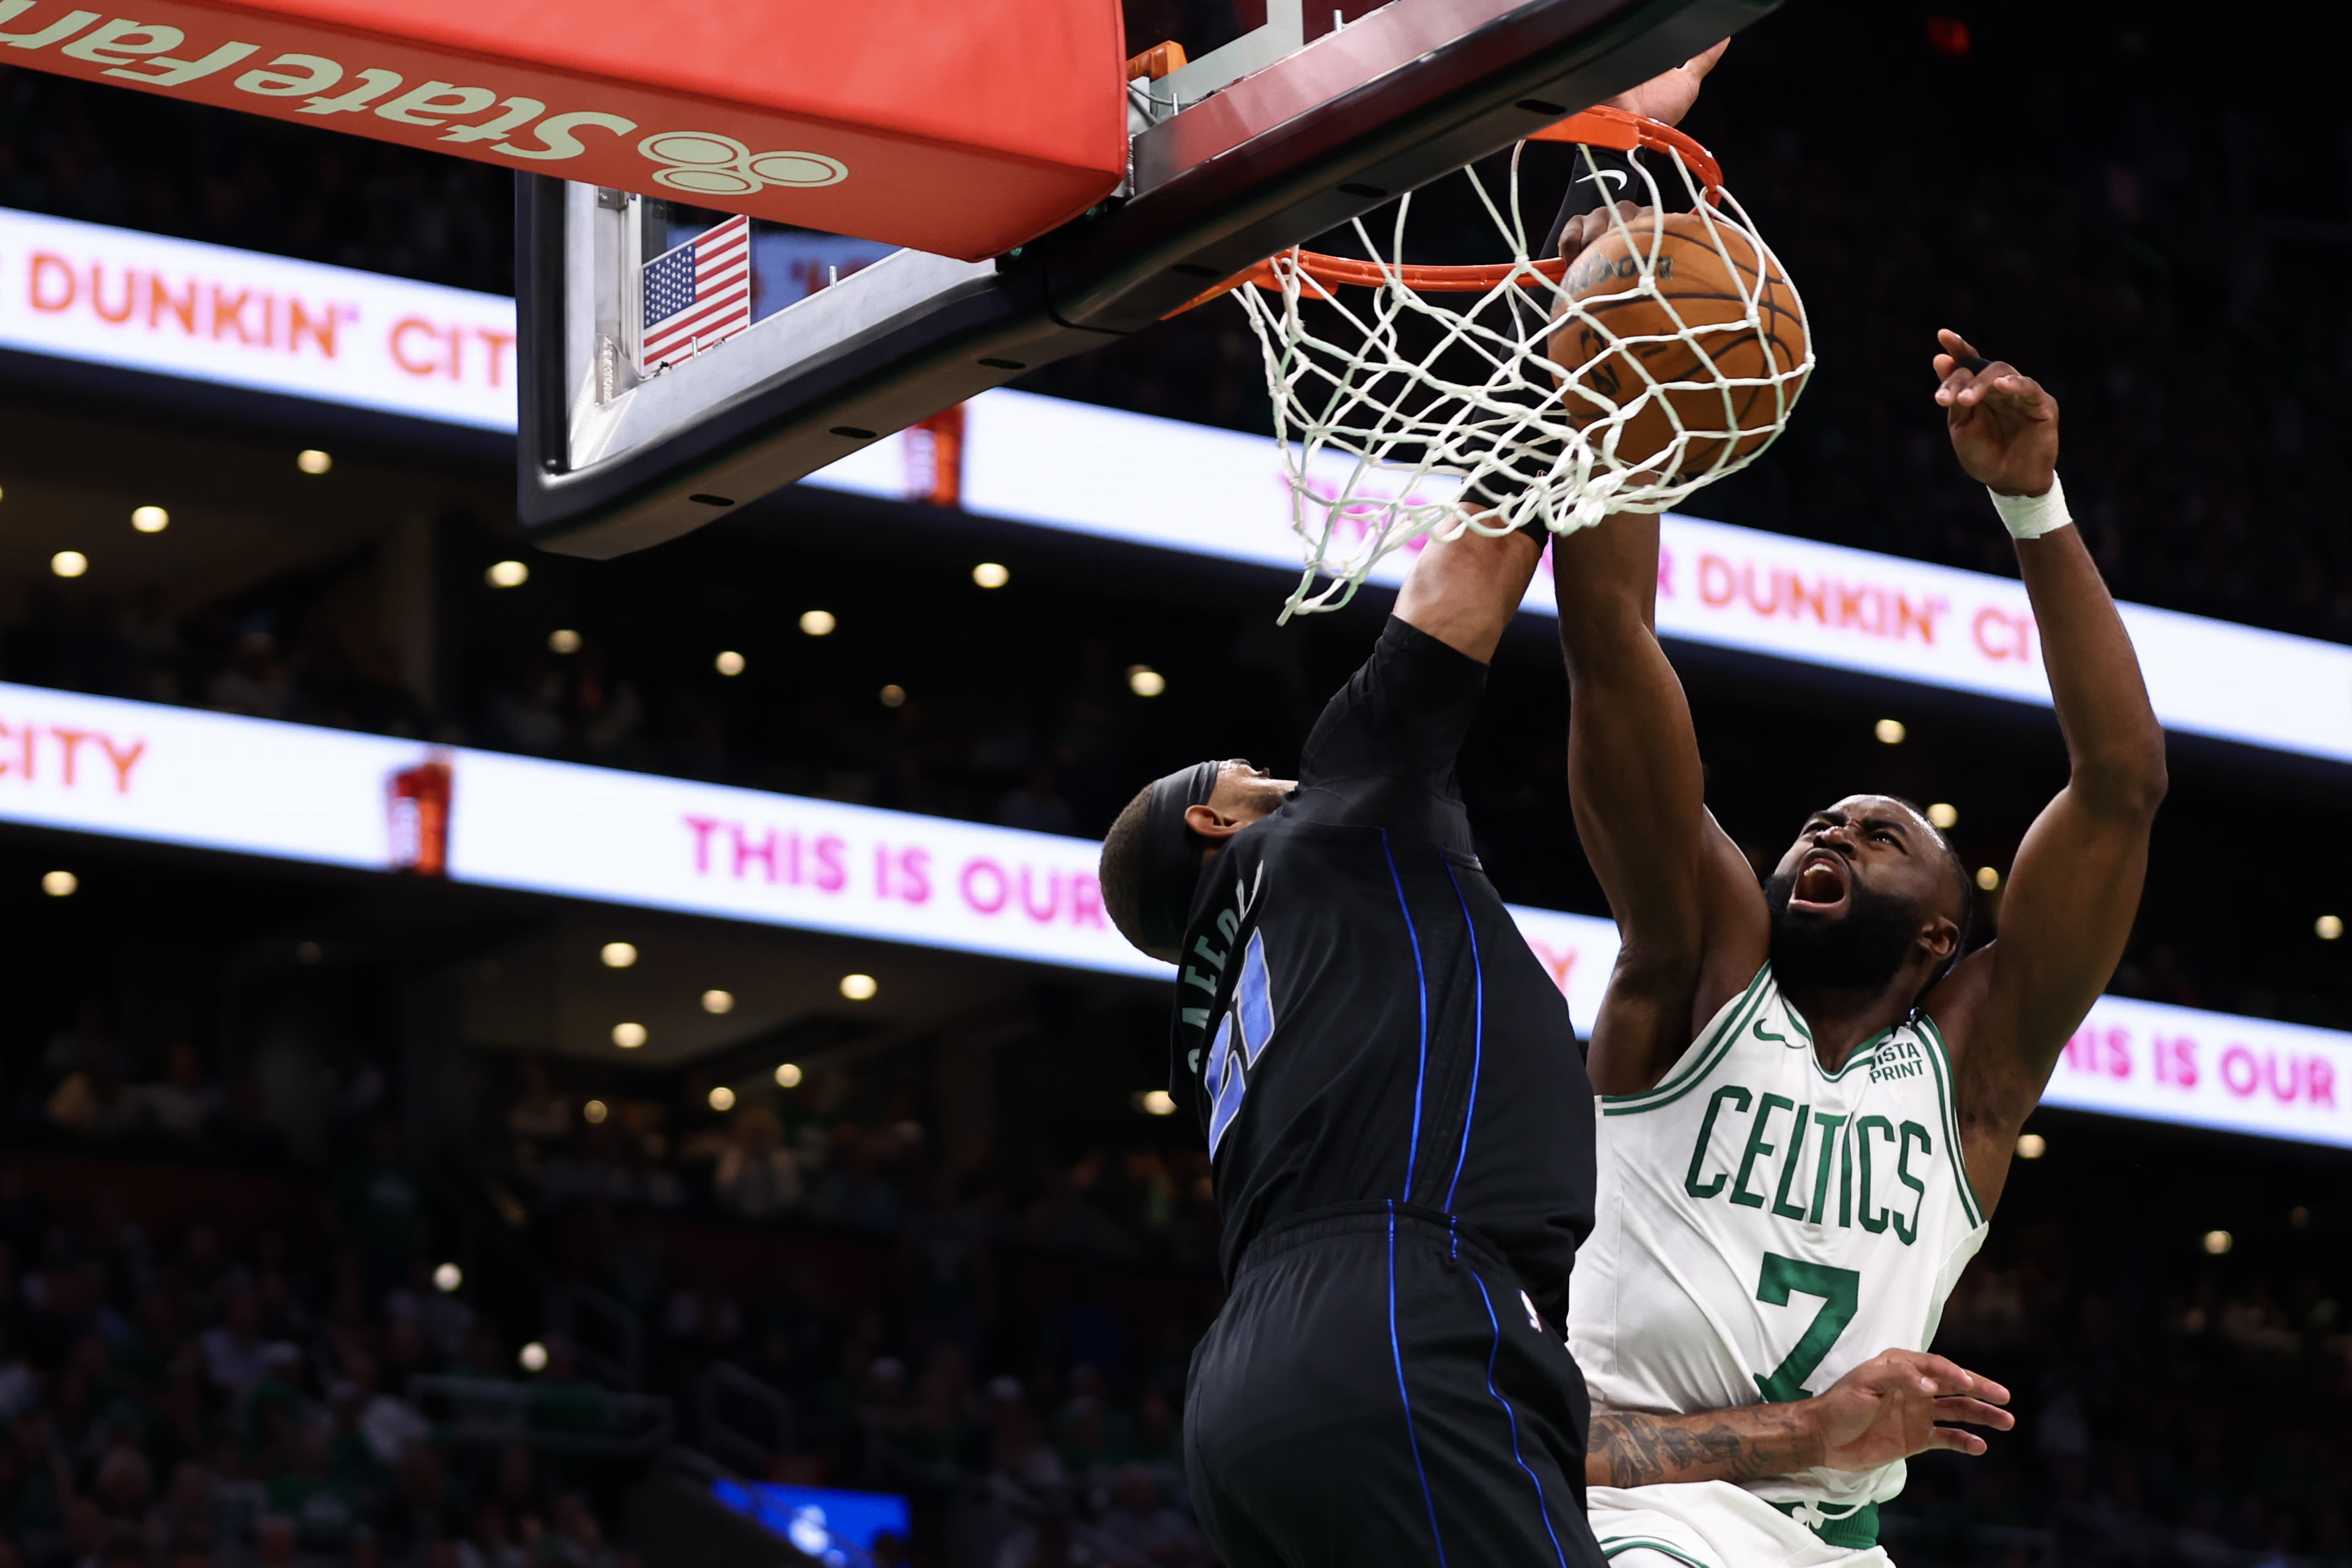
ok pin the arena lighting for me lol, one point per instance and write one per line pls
(788, 1075)
(858, 987)
(311, 460)
(593, 1113)
(617, 954)
(729, 663)
(628, 1036)
(69, 563)
(2032, 1145)
(723, 1099)
(146, 772)
(532, 1357)
(893, 696)
(715, 1002)
(1890, 732)
(988, 574)
(563, 641)
(2218, 1242)
(1145, 681)
(149, 519)
(60, 884)
(2327, 928)
(818, 623)
(447, 1278)
(507, 575)
(1156, 1102)
(1944, 815)
(1988, 878)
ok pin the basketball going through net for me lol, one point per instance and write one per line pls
(1411, 399)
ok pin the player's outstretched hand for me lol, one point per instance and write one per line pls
(1668, 97)
(1894, 1406)
(2004, 426)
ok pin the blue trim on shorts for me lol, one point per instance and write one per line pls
(1396, 1353)
(1542, 1506)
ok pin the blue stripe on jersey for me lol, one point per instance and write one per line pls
(1396, 1353)
(1542, 1506)
(1478, 1032)
(1413, 1150)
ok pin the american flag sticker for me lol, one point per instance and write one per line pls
(696, 294)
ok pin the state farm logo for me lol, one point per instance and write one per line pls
(710, 164)
(160, 55)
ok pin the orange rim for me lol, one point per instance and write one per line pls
(1611, 127)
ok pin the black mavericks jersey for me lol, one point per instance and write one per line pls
(1358, 1019)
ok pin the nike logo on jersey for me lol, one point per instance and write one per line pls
(1615, 177)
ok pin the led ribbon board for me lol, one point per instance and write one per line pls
(253, 787)
(209, 312)
(961, 130)
(1221, 493)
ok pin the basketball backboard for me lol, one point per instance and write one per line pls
(676, 363)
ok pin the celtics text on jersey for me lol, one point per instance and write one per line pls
(1765, 1224)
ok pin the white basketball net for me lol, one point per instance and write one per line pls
(1397, 407)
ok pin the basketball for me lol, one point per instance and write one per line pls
(1720, 369)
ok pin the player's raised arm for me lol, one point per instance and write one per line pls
(2010, 1008)
(1692, 921)
(1890, 1408)
(1464, 591)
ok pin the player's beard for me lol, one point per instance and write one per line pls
(1860, 949)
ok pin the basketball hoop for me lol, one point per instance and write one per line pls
(1411, 399)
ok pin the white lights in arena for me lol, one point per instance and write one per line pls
(507, 575)
(617, 954)
(149, 519)
(69, 563)
(163, 774)
(311, 460)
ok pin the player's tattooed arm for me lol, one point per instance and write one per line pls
(1890, 1408)
(1638, 1450)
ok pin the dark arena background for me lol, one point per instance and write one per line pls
(595, 1212)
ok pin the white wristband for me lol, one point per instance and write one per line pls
(2031, 517)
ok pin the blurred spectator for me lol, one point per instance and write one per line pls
(1143, 1522)
(756, 1179)
(184, 1103)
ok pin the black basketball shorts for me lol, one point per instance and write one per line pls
(1379, 1391)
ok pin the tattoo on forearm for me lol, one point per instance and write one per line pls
(1643, 1450)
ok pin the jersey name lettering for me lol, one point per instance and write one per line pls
(1814, 1166)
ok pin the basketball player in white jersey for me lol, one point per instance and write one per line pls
(1808, 1091)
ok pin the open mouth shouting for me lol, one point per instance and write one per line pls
(1824, 881)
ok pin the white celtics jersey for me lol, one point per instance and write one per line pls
(1766, 1225)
